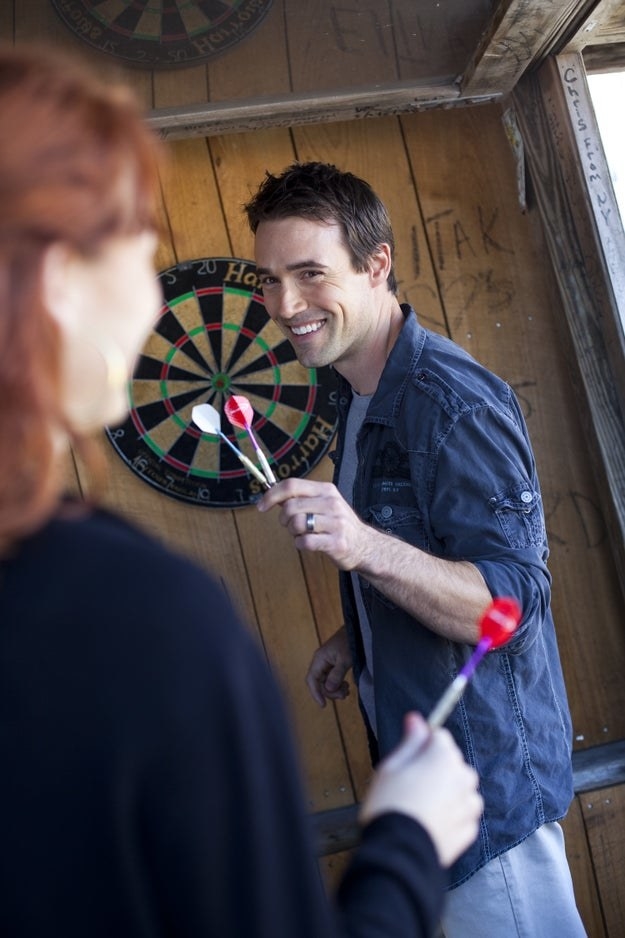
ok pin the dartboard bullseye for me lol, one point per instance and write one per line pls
(157, 33)
(213, 340)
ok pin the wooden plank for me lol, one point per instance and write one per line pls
(608, 58)
(180, 86)
(194, 211)
(603, 813)
(274, 566)
(520, 33)
(583, 873)
(339, 46)
(599, 766)
(292, 110)
(502, 306)
(260, 63)
(437, 38)
(604, 24)
(588, 301)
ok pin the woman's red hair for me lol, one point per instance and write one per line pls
(78, 165)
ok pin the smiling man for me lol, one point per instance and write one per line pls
(435, 509)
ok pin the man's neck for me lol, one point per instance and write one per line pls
(363, 371)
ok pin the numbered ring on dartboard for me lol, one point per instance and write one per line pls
(213, 339)
(157, 34)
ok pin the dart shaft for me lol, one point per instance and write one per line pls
(249, 465)
(271, 479)
(266, 467)
(448, 701)
(456, 689)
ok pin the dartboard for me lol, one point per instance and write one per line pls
(213, 339)
(156, 33)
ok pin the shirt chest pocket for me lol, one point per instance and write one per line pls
(401, 521)
(520, 515)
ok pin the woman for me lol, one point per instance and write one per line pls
(148, 782)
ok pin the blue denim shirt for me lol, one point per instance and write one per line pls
(445, 463)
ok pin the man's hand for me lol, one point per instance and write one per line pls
(329, 665)
(337, 530)
(447, 596)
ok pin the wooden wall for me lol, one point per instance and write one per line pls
(476, 268)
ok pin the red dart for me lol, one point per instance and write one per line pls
(240, 413)
(498, 623)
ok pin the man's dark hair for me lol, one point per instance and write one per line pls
(321, 192)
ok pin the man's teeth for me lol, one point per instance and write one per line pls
(304, 330)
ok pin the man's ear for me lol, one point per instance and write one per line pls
(60, 285)
(380, 264)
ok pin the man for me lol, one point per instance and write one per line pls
(436, 509)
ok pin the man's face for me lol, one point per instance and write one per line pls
(311, 290)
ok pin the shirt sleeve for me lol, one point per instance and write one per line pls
(394, 886)
(487, 508)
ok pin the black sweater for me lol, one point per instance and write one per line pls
(148, 784)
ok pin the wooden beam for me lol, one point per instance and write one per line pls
(520, 34)
(605, 58)
(598, 767)
(585, 240)
(207, 120)
(605, 23)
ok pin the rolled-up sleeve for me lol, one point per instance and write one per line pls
(486, 508)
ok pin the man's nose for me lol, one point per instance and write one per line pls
(291, 301)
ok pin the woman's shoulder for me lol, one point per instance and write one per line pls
(105, 554)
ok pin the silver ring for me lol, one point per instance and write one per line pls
(310, 522)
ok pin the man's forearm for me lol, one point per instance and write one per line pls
(447, 596)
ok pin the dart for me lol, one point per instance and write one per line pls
(497, 624)
(208, 420)
(240, 414)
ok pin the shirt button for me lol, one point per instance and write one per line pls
(387, 511)
(526, 497)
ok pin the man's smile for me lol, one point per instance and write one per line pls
(308, 327)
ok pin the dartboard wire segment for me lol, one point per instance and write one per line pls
(162, 33)
(213, 340)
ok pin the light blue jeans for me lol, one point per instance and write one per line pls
(526, 892)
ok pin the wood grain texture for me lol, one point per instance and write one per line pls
(583, 872)
(603, 812)
(519, 33)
